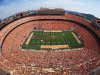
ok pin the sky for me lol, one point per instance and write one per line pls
(10, 7)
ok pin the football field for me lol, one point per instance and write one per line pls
(40, 40)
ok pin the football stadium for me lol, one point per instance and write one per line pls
(49, 42)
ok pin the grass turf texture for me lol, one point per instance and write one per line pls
(51, 38)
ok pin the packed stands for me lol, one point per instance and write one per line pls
(16, 60)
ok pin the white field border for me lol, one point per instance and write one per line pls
(52, 31)
(76, 38)
(28, 40)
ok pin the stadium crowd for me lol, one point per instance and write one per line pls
(16, 60)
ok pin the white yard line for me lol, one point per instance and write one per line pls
(28, 40)
(52, 31)
(76, 38)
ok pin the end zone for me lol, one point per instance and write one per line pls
(54, 46)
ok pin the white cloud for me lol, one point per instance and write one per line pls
(73, 5)
(71, 2)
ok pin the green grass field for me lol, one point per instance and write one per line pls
(51, 38)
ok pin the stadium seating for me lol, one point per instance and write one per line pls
(16, 60)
